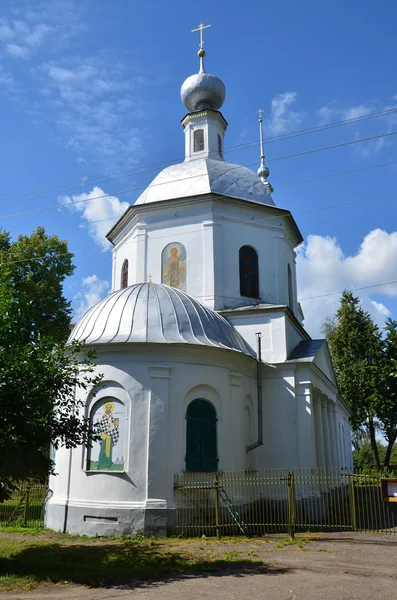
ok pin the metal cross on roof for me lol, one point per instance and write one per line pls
(200, 29)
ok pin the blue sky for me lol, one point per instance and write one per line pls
(92, 87)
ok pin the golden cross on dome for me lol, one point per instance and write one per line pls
(200, 29)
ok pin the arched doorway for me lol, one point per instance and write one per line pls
(201, 442)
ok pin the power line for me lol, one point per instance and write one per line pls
(256, 221)
(317, 129)
(358, 289)
(287, 184)
(119, 193)
(154, 166)
(351, 171)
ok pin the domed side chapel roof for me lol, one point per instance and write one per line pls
(159, 314)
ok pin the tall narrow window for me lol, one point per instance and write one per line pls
(249, 272)
(220, 150)
(201, 446)
(290, 291)
(198, 140)
(124, 274)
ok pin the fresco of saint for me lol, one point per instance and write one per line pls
(107, 452)
(174, 266)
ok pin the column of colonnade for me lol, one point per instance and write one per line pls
(328, 448)
(326, 432)
(318, 430)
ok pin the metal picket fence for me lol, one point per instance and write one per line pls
(260, 501)
(25, 507)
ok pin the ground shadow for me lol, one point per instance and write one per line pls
(130, 564)
(362, 539)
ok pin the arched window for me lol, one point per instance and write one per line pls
(201, 446)
(107, 420)
(249, 272)
(290, 290)
(124, 274)
(220, 149)
(198, 140)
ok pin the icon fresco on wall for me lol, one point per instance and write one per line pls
(173, 260)
(108, 421)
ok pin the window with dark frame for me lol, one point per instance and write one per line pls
(201, 443)
(249, 272)
(290, 291)
(124, 274)
(198, 140)
(220, 146)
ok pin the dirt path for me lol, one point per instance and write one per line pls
(345, 566)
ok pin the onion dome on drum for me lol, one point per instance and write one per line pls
(203, 90)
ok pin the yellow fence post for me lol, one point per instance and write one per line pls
(291, 505)
(26, 508)
(352, 502)
(217, 509)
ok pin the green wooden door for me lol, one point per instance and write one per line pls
(201, 446)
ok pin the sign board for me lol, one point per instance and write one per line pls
(389, 490)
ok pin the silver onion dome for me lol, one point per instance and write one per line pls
(203, 90)
(158, 314)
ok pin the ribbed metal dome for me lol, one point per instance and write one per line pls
(159, 314)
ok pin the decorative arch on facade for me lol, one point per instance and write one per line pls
(124, 274)
(108, 420)
(173, 265)
(249, 272)
(201, 436)
(198, 140)
(290, 288)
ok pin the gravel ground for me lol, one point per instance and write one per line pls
(332, 566)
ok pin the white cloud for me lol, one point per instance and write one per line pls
(94, 104)
(21, 38)
(381, 308)
(283, 116)
(98, 210)
(333, 112)
(323, 269)
(92, 291)
(94, 112)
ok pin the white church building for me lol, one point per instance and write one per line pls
(206, 364)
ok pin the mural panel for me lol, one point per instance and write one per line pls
(173, 272)
(108, 420)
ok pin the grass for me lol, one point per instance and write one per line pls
(42, 557)
(299, 542)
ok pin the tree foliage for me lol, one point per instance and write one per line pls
(363, 361)
(38, 374)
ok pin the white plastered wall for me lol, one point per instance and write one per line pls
(212, 231)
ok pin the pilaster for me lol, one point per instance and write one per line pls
(305, 427)
(141, 254)
(158, 479)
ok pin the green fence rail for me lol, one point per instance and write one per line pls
(260, 501)
(25, 507)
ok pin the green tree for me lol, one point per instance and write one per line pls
(34, 268)
(38, 374)
(357, 351)
(387, 411)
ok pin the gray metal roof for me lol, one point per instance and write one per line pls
(203, 176)
(159, 314)
(306, 350)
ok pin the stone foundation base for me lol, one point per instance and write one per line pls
(91, 521)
